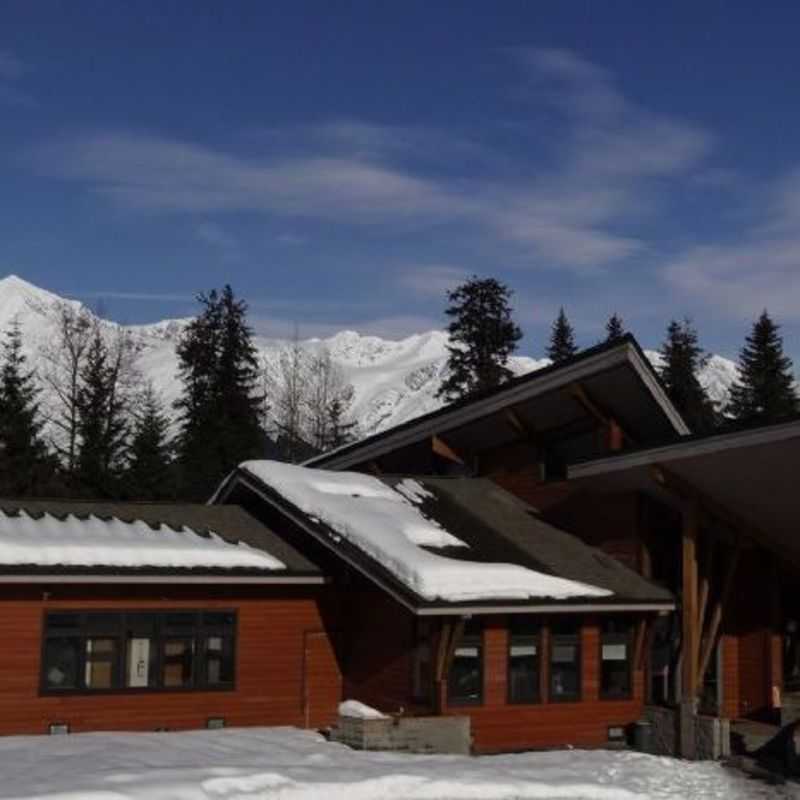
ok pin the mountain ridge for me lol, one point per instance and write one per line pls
(393, 380)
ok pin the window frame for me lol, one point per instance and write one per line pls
(538, 641)
(469, 640)
(117, 626)
(552, 643)
(628, 637)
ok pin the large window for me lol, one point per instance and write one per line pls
(524, 648)
(565, 661)
(465, 679)
(87, 652)
(615, 658)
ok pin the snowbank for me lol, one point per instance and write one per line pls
(289, 764)
(358, 710)
(389, 527)
(49, 541)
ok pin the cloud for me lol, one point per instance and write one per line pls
(215, 236)
(389, 327)
(759, 268)
(431, 280)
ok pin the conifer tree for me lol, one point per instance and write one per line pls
(562, 339)
(765, 390)
(482, 338)
(102, 425)
(24, 464)
(683, 358)
(339, 429)
(148, 474)
(615, 329)
(220, 406)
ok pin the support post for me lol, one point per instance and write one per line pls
(690, 637)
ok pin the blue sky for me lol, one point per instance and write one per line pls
(342, 165)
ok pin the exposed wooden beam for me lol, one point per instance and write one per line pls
(639, 643)
(374, 468)
(705, 579)
(710, 638)
(516, 423)
(443, 648)
(690, 632)
(441, 448)
(615, 432)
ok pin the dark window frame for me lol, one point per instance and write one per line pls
(626, 638)
(537, 640)
(553, 640)
(113, 624)
(470, 640)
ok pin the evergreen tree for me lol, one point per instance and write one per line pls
(615, 330)
(482, 338)
(683, 358)
(220, 406)
(562, 339)
(148, 474)
(25, 467)
(765, 391)
(339, 429)
(102, 426)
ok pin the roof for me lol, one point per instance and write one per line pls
(749, 472)
(617, 375)
(481, 528)
(107, 541)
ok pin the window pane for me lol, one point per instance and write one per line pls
(523, 660)
(565, 661)
(62, 662)
(101, 663)
(219, 619)
(179, 621)
(177, 663)
(465, 679)
(140, 667)
(219, 660)
(615, 653)
(58, 622)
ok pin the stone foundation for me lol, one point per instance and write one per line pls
(790, 708)
(406, 734)
(712, 735)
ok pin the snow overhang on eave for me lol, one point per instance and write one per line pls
(545, 608)
(207, 580)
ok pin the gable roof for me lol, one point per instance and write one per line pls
(142, 542)
(617, 374)
(493, 548)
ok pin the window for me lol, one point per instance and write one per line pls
(138, 651)
(422, 664)
(465, 679)
(615, 658)
(524, 641)
(565, 661)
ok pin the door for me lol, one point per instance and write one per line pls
(322, 680)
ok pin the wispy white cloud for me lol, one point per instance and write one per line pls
(219, 239)
(430, 280)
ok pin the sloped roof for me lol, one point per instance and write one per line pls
(493, 527)
(160, 540)
(617, 374)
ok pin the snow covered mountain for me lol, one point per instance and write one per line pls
(393, 380)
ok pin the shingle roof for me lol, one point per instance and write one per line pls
(231, 523)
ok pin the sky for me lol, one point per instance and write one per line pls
(342, 165)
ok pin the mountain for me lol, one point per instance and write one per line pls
(393, 380)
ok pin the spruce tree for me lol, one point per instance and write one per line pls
(148, 474)
(482, 338)
(765, 390)
(562, 339)
(339, 429)
(220, 406)
(615, 329)
(25, 467)
(683, 358)
(102, 424)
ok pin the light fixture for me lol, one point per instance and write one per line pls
(215, 723)
(58, 728)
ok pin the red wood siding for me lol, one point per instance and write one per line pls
(498, 725)
(269, 660)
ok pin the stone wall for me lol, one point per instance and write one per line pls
(712, 734)
(790, 708)
(406, 734)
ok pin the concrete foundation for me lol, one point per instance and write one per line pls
(406, 734)
(710, 737)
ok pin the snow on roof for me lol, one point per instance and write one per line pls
(90, 541)
(388, 526)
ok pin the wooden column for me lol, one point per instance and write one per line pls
(690, 633)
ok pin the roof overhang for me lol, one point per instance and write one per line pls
(171, 580)
(619, 377)
(751, 474)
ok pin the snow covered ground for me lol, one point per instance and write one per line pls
(289, 764)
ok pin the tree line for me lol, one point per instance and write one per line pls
(483, 337)
(106, 433)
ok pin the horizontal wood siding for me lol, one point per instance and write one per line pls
(498, 725)
(269, 659)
